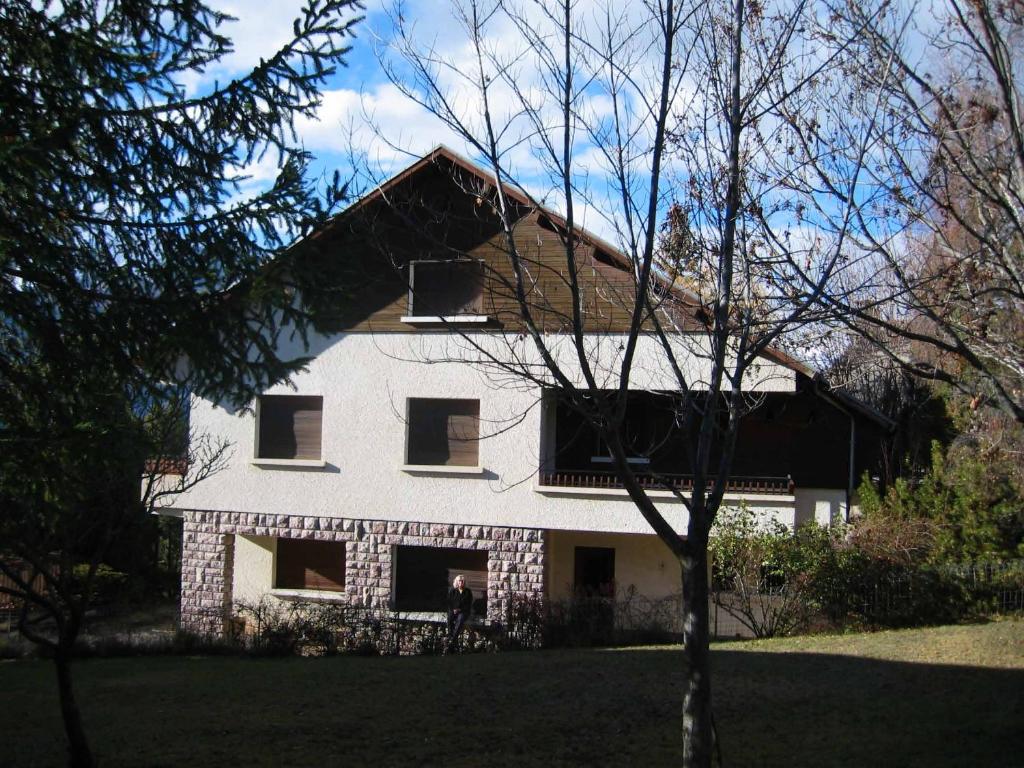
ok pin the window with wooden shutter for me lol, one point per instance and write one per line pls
(310, 564)
(444, 432)
(289, 427)
(446, 288)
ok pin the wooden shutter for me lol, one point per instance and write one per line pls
(447, 288)
(463, 425)
(444, 432)
(290, 426)
(310, 564)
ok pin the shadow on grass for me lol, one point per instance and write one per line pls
(776, 709)
(578, 708)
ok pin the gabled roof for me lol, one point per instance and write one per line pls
(847, 402)
(519, 196)
(614, 255)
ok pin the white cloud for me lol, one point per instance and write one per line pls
(260, 29)
(373, 121)
(379, 123)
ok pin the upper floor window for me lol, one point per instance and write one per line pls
(448, 289)
(289, 427)
(641, 435)
(443, 432)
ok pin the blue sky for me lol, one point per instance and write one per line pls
(358, 101)
(364, 111)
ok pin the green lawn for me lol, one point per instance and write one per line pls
(952, 696)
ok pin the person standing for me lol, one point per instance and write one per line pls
(460, 607)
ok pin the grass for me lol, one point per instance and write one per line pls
(949, 696)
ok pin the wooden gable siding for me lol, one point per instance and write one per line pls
(441, 213)
(607, 294)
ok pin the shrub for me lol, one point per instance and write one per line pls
(272, 627)
(860, 589)
(309, 628)
(525, 623)
(279, 628)
(108, 585)
(964, 508)
(628, 618)
(763, 573)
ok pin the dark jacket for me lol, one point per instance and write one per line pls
(460, 601)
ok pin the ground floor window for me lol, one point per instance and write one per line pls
(310, 564)
(423, 575)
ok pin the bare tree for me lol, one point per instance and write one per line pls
(671, 124)
(944, 294)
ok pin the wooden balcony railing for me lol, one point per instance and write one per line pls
(597, 479)
(166, 466)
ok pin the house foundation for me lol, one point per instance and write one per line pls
(515, 558)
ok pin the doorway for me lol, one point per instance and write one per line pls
(594, 574)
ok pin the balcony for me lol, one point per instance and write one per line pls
(791, 440)
(596, 480)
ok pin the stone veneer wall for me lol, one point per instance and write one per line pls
(515, 561)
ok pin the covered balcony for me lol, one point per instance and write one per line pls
(790, 440)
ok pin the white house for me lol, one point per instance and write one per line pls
(391, 462)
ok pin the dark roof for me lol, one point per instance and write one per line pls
(518, 195)
(614, 256)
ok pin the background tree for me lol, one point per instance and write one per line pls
(132, 258)
(920, 411)
(626, 109)
(942, 293)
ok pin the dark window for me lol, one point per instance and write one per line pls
(310, 564)
(289, 427)
(444, 432)
(646, 429)
(595, 572)
(422, 576)
(651, 435)
(446, 288)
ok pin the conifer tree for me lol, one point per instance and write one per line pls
(136, 260)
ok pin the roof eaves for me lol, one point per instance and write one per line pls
(847, 401)
(523, 198)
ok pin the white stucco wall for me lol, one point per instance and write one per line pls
(253, 568)
(641, 561)
(365, 380)
(825, 506)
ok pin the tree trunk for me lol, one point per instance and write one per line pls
(698, 740)
(79, 754)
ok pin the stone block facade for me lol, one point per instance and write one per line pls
(515, 558)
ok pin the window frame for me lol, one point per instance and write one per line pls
(453, 469)
(406, 557)
(602, 453)
(465, 318)
(303, 588)
(271, 461)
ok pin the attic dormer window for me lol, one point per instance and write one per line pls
(446, 291)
